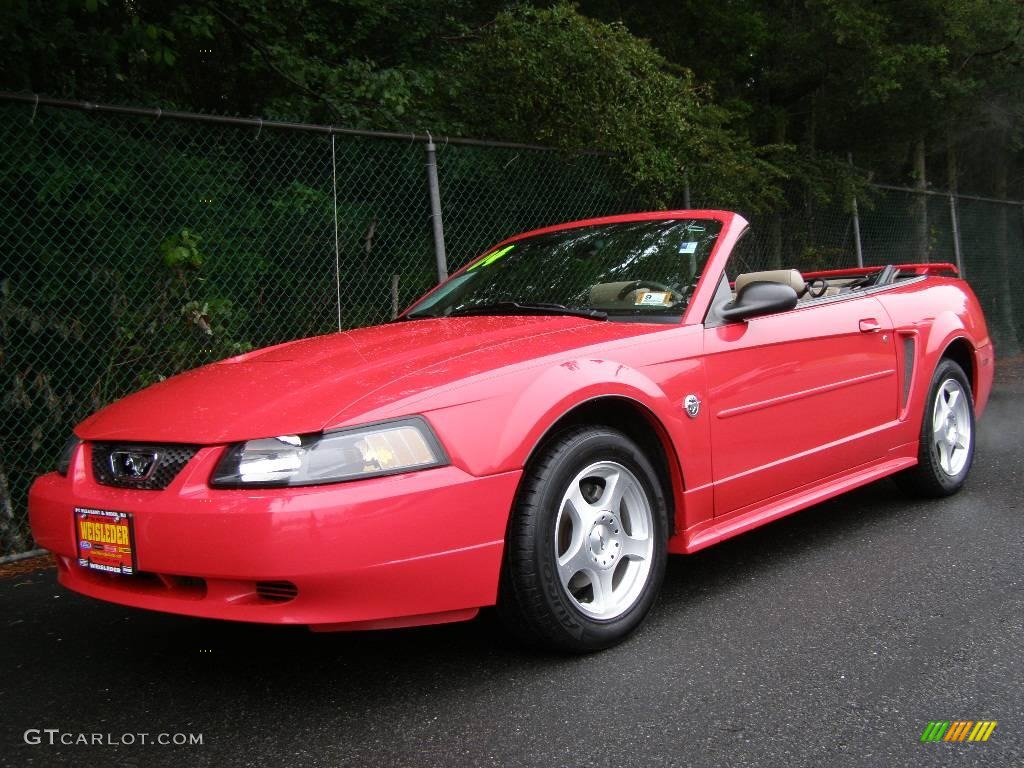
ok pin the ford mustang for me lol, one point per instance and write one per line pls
(538, 433)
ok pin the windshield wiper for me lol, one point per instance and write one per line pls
(523, 308)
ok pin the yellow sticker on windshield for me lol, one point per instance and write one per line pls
(488, 260)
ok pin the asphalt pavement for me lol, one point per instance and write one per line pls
(830, 638)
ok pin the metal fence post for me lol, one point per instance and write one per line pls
(856, 234)
(337, 250)
(435, 211)
(856, 221)
(956, 234)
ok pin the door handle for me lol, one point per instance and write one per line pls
(870, 325)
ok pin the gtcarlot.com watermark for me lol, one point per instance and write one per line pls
(56, 737)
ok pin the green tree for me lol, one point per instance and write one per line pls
(559, 78)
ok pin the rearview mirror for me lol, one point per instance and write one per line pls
(759, 298)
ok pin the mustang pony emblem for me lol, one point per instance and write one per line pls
(692, 406)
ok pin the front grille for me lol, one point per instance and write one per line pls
(140, 582)
(277, 591)
(170, 460)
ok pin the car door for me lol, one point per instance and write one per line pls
(797, 397)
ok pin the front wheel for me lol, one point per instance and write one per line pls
(947, 435)
(586, 547)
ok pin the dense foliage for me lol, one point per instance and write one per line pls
(745, 96)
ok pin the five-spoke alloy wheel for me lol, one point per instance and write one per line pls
(947, 435)
(952, 427)
(587, 542)
(604, 540)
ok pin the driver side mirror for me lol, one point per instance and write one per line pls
(760, 298)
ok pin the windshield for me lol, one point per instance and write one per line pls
(638, 270)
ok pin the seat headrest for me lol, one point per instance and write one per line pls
(607, 294)
(790, 277)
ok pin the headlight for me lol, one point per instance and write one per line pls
(387, 448)
(64, 459)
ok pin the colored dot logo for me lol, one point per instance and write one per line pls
(958, 730)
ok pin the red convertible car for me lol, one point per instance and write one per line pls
(538, 433)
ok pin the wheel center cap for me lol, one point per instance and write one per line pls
(603, 540)
(951, 428)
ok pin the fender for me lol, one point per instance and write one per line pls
(931, 340)
(982, 360)
(945, 328)
(606, 379)
(488, 437)
(963, 320)
(553, 393)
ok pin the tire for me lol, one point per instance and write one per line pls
(947, 436)
(586, 547)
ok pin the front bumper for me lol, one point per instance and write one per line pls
(407, 549)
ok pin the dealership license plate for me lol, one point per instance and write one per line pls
(106, 540)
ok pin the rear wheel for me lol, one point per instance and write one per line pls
(587, 543)
(947, 435)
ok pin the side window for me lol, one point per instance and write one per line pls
(746, 256)
(742, 259)
(723, 295)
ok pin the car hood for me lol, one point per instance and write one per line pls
(312, 384)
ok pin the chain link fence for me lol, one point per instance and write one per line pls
(133, 247)
(896, 225)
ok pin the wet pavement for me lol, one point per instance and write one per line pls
(831, 637)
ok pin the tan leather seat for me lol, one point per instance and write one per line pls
(610, 295)
(607, 294)
(790, 277)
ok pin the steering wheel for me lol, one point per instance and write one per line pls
(630, 287)
(816, 287)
